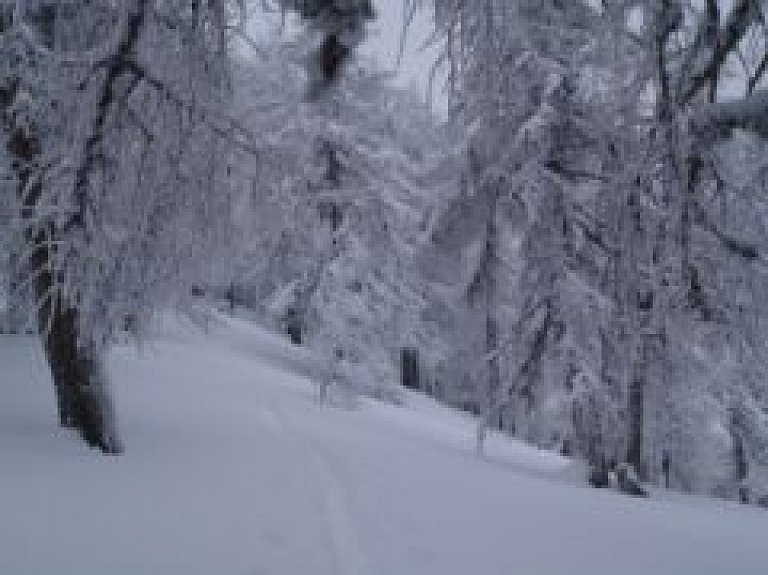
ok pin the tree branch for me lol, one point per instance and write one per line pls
(755, 78)
(750, 114)
(742, 16)
(733, 245)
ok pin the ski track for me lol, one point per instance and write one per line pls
(351, 558)
(348, 551)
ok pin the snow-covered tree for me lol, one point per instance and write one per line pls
(334, 212)
(605, 122)
(114, 122)
(516, 70)
(696, 266)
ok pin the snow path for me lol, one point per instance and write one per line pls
(349, 554)
(232, 468)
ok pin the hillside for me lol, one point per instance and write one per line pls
(231, 467)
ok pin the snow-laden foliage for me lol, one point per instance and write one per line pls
(612, 304)
(581, 266)
(331, 215)
(134, 159)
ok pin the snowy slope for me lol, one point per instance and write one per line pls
(232, 468)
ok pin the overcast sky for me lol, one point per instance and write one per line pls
(384, 41)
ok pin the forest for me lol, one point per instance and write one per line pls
(574, 251)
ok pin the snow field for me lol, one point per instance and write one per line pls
(232, 467)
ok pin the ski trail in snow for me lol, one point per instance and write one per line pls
(349, 552)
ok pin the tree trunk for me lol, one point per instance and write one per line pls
(491, 403)
(79, 378)
(640, 307)
(636, 418)
(410, 375)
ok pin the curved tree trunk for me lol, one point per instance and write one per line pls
(79, 378)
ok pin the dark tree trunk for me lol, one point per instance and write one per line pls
(409, 368)
(231, 298)
(78, 374)
(636, 418)
(294, 326)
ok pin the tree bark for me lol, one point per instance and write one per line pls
(78, 374)
(636, 414)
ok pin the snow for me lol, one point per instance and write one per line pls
(233, 468)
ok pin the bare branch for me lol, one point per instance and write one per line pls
(749, 114)
(744, 14)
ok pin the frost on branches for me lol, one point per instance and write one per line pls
(330, 219)
(617, 318)
(115, 132)
(578, 258)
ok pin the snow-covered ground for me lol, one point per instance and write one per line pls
(232, 468)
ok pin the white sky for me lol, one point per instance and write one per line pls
(383, 45)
